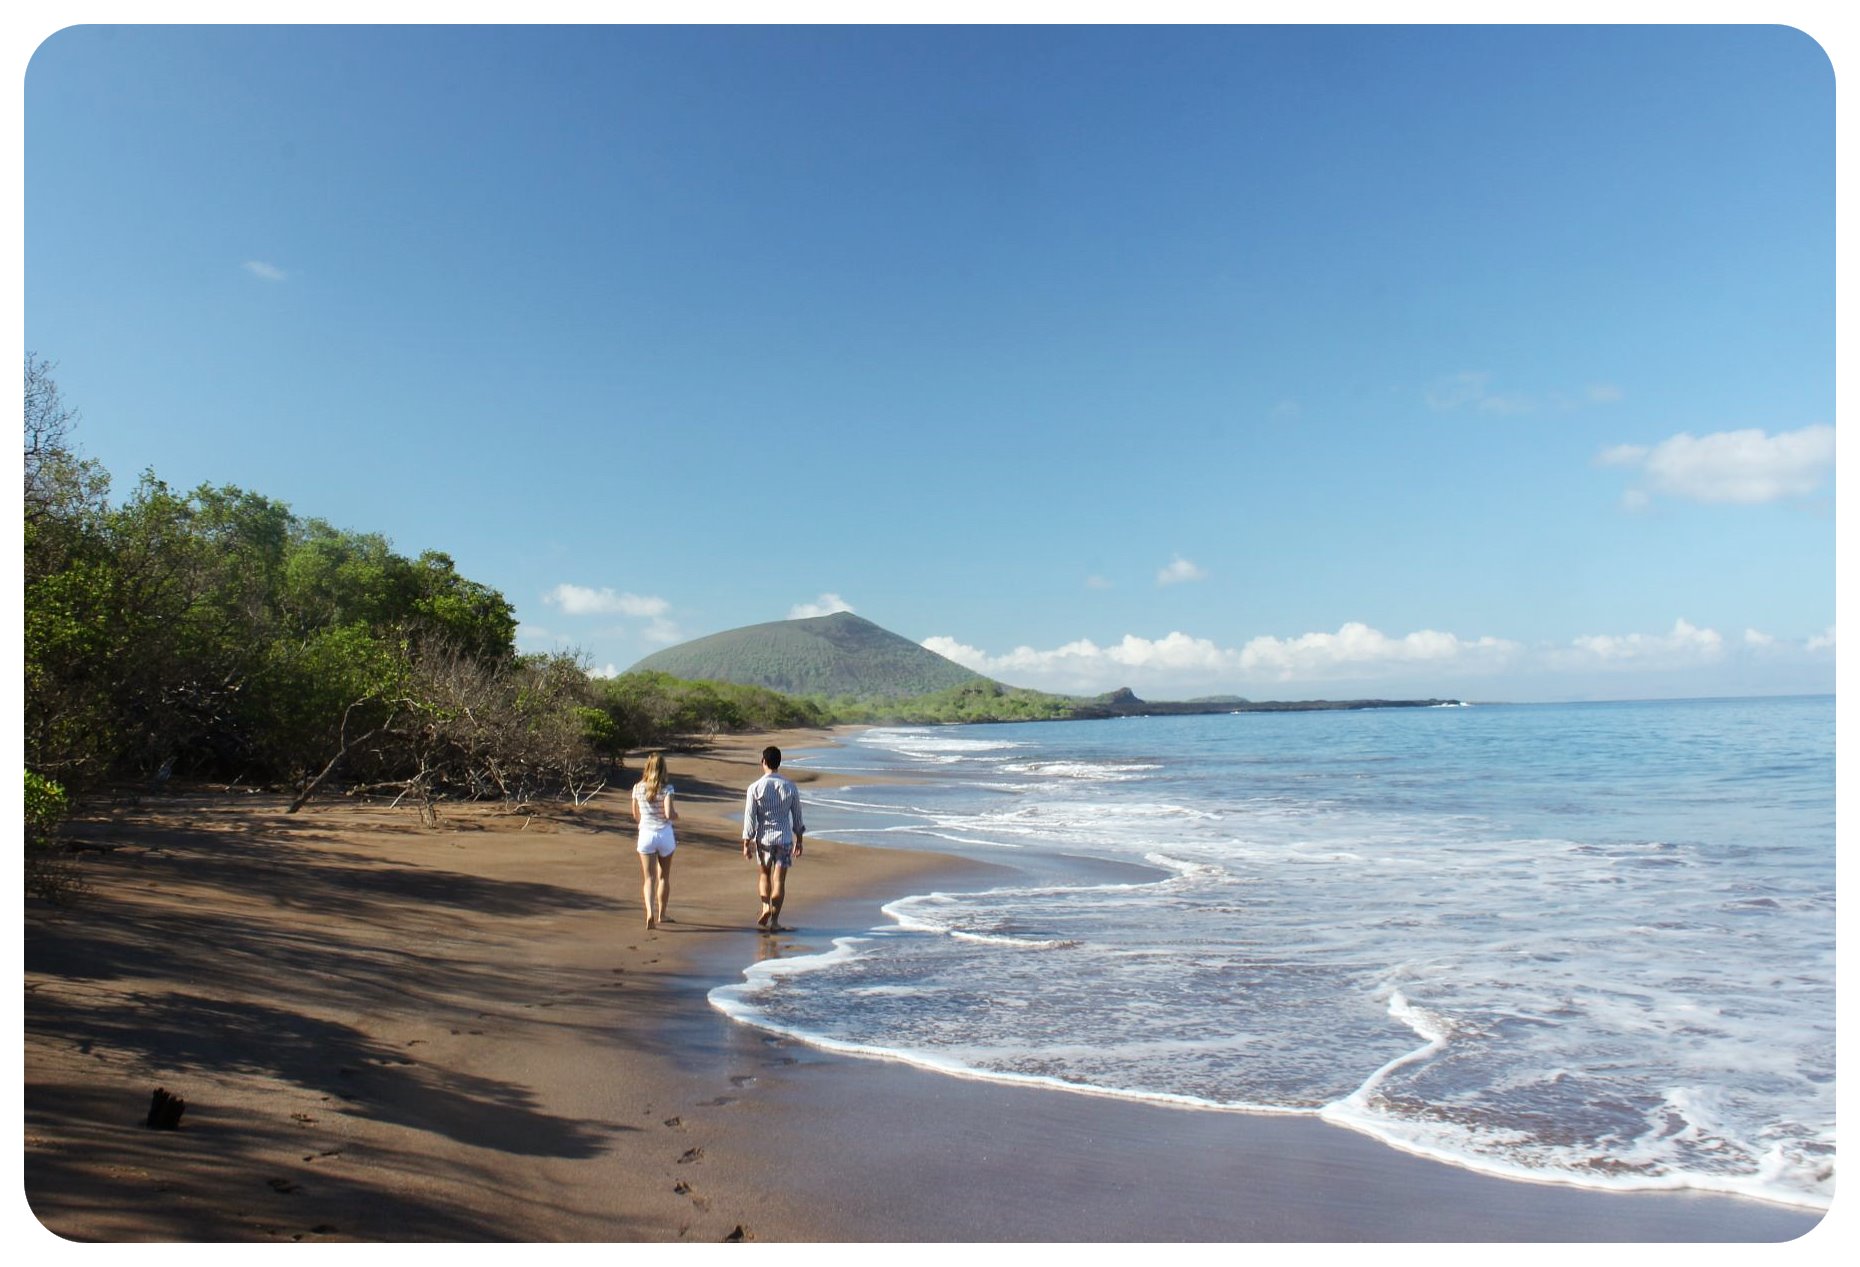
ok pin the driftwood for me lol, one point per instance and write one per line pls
(342, 751)
(165, 1110)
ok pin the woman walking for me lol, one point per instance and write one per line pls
(653, 811)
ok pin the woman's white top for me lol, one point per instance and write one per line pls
(651, 812)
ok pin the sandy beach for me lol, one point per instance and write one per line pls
(385, 1031)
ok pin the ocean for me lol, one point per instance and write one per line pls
(1582, 943)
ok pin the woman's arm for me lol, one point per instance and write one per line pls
(635, 801)
(671, 813)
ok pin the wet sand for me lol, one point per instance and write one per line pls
(389, 1032)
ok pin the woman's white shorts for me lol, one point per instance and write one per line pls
(660, 840)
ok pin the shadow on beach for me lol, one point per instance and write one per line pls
(289, 981)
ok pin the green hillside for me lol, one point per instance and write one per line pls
(837, 655)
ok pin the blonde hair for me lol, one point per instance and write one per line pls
(654, 776)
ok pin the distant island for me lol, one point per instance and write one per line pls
(1124, 703)
(855, 670)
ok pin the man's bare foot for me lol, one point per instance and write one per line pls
(762, 920)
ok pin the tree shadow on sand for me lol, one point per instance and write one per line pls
(220, 1178)
(360, 1074)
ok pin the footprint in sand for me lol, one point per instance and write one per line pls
(303, 1119)
(717, 1103)
(742, 1079)
(691, 1155)
(779, 1061)
(740, 1233)
(682, 1188)
(676, 1123)
(328, 1152)
(281, 1185)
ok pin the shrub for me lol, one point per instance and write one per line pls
(49, 874)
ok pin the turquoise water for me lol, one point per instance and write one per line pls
(1588, 943)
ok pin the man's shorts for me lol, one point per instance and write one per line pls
(775, 855)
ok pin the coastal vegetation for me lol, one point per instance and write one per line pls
(215, 634)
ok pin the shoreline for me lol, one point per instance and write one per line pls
(390, 1033)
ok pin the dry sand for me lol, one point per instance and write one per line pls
(384, 1031)
(390, 1032)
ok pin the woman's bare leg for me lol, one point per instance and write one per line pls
(665, 888)
(645, 870)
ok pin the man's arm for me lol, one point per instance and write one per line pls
(800, 828)
(749, 820)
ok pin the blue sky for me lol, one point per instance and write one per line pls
(1286, 362)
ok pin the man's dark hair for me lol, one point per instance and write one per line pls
(771, 757)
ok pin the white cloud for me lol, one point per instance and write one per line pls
(263, 271)
(1358, 660)
(1358, 647)
(1686, 646)
(579, 600)
(1745, 467)
(534, 636)
(825, 605)
(663, 632)
(606, 671)
(1516, 403)
(1472, 389)
(1097, 583)
(1622, 455)
(1463, 388)
(1180, 661)
(1179, 571)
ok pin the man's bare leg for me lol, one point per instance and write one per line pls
(778, 884)
(763, 883)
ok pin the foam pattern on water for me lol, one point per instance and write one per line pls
(1592, 945)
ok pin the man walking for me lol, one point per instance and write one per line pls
(772, 829)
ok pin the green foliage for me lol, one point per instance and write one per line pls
(979, 701)
(47, 874)
(214, 632)
(46, 807)
(648, 708)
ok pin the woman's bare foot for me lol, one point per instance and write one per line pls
(651, 922)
